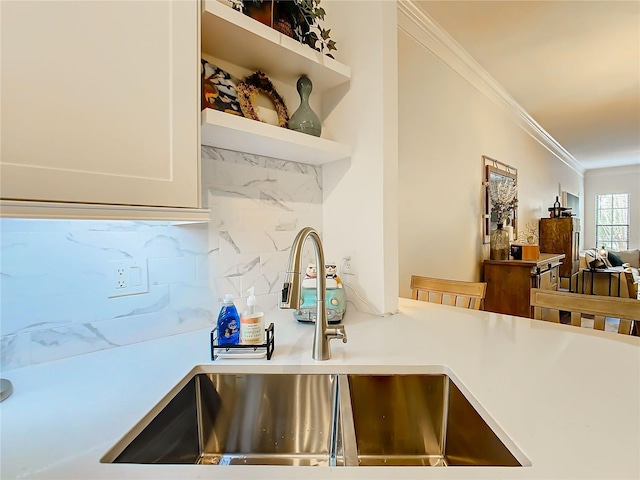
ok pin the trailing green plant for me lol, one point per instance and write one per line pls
(316, 36)
(304, 17)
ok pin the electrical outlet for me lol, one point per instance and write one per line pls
(126, 278)
(121, 281)
(347, 266)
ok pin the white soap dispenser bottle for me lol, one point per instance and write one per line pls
(252, 322)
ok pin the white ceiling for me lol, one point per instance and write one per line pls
(574, 66)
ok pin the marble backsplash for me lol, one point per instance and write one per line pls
(258, 205)
(53, 273)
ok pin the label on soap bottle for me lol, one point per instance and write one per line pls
(252, 329)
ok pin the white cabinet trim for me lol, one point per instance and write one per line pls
(82, 211)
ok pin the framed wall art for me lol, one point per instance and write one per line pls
(498, 173)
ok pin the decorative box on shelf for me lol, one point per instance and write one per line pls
(243, 350)
(525, 252)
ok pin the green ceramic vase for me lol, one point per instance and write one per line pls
(304, 119)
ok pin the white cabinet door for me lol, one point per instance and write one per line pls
(100, 102)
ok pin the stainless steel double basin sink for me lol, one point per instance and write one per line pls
(315, 420)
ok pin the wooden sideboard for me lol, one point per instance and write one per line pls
(509, 282)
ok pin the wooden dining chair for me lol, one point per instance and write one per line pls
(448, 292)
(547, 305)
(632, 284)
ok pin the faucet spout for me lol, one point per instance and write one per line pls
(291, 292)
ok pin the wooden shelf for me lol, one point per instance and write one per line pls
(241, 40)
(232, 132)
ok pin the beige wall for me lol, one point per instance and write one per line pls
(612, 180)
(445, 126)
(360, 205)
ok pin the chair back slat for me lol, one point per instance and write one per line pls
(632, 285)
(626, 325)
(449, 300)
(448, 292)
(576, 319)
(546, 314)
(598, 307)
(598, 322)
(537, 313)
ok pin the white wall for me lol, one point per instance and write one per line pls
(445, 126)
(360, 194)
(612, 180)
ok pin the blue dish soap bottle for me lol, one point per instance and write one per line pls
(228, 323)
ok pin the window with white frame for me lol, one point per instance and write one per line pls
(612, 221)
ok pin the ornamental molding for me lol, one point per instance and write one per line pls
(419, 26)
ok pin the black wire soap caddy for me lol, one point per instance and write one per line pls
(266, 347)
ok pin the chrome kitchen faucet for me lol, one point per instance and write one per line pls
(291, 293)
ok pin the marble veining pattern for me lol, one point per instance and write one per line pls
(257, 206)
(53, 297)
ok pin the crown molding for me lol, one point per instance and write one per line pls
(434, 38)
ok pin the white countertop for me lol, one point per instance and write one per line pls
(568, 397)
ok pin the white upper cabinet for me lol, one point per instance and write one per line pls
(100, 102)
(248, 45)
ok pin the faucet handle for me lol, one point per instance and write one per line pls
(337, 332)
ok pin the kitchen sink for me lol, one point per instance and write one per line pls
(247, 419)
(315, 420)
(420, 420)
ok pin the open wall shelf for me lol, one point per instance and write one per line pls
(241, 40)
(238, 39)
(232, 132)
